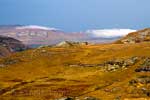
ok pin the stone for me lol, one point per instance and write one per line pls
(145, 66)
(140, 85)
(91, 98)
(115, 64)
(66, 98)
(71, 44)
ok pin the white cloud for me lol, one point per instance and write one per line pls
(109, 33)
(36, 27)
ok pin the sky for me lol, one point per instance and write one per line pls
(77, 15)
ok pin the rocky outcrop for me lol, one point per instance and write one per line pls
(66, 98)
(114, 65)
(71, 44)
(4, 51)
(136, 37)
(9, 45)
(110, 65)
(145, 66)
(140, 86)
(12, 44)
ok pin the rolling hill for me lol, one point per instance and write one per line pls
(110, 71)
(136, 37)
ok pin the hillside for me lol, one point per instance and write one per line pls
(4, 51)
(105, 72)
(136, 37)
(119, 71)
(9, 45)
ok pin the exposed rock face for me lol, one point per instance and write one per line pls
(71, 44)
(8, 45)
(12, 44)
(136, 37)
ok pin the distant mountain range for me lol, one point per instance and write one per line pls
(39, 35)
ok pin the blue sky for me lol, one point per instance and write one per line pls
(77, 15)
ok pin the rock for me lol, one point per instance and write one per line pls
(145, 66)
(128, 40)
(2, 65)
(130, 61)
(4, 51)
(140, 85)
(143, 80)
(12, 44)
(146, 62)
(113, 65)
(9, 45)
(71, 44)
(90, 98)
(66, 98)
(118, 98)
(144, 69)
(9, 61)
(136, 37)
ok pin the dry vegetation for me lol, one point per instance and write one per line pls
(49, 73)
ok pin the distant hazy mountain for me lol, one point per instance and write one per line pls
(39, 35)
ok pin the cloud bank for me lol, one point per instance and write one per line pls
(36, 27)
(109, 33)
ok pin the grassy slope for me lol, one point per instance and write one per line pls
(44, 73)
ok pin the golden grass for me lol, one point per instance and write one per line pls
(47, 74)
